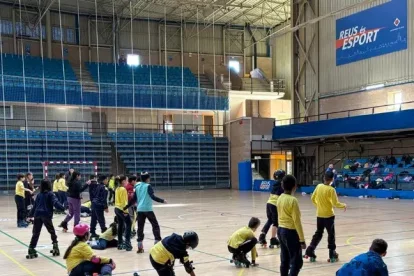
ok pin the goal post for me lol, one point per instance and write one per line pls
(86, 168)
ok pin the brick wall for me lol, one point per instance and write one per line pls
(366, 100)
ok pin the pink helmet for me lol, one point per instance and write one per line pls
(80, 230)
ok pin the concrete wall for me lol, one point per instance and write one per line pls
(55, 117)
(353, 76)
(282, 59)
(239, 136)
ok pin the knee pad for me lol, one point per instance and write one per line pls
(254, 240)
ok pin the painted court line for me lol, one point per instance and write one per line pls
(40, 253)
(22, 267)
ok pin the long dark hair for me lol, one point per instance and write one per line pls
(74, 243)
(73, 177)
(114, 227)
(45, 186)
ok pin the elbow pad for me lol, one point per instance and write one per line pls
(96, 260)
(189, 267)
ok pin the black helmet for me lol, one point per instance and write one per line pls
(279, 174)
(191, 239)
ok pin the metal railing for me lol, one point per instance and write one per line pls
(348, 113)
(108, 127)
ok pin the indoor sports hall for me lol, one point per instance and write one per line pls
(211, 105)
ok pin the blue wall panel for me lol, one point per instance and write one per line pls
(391, 121)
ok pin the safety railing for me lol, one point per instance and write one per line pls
(348, 113)
(109, 127)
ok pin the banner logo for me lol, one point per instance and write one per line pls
(373, 32)
(265, 185)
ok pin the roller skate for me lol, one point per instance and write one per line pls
(262, 240)
(140, 248)
(121, 246)
(93, 236)
(22, 224)
(243, 260)
(234, 260)
(333, 256)
(310, 254)
(128, 246)
(31, 253)
(274, 242)
(64, 225)
(55, 251)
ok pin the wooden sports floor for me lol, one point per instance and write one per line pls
(214, 215)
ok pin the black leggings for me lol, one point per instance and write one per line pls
(162, 270)
(272, 218)
(321, 225)
(124, 223)
(244, 248)
(21, 207)
(37, 228)
(141, 218)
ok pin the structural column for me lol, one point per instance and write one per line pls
(48, 35)
(305, 61)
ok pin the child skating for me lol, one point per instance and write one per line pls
(144, 195)
(98, 195)
(290, 230)
(242, 242)
(19, 198)
(325, 199)
(124, 221)
(81, 260)
(42, 212)
(164, 253)
(271, 211)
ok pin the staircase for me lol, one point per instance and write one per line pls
(255, 85)
(205, 82)
(84, 77)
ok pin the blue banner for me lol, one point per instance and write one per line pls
(373, 32)
(263, 185)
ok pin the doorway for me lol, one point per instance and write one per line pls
(208, 125)
(167, 123)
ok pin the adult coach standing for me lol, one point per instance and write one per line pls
(75, 188)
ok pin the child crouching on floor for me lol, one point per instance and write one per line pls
(86, 209)
(243, 241)
(81, 260)
(107, 238)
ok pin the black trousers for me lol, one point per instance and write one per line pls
(291, 260)
(272, 218)
(141, 218)
(321, 225)
(111, 195)
(124, 224)
(28, 199)
(162, 270)
(244, 248)
(97, 216)
(21, 207)
(37, 228)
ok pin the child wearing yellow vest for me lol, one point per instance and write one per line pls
(325, 199)
(244, 241)
(19, 198)
(81, 260)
